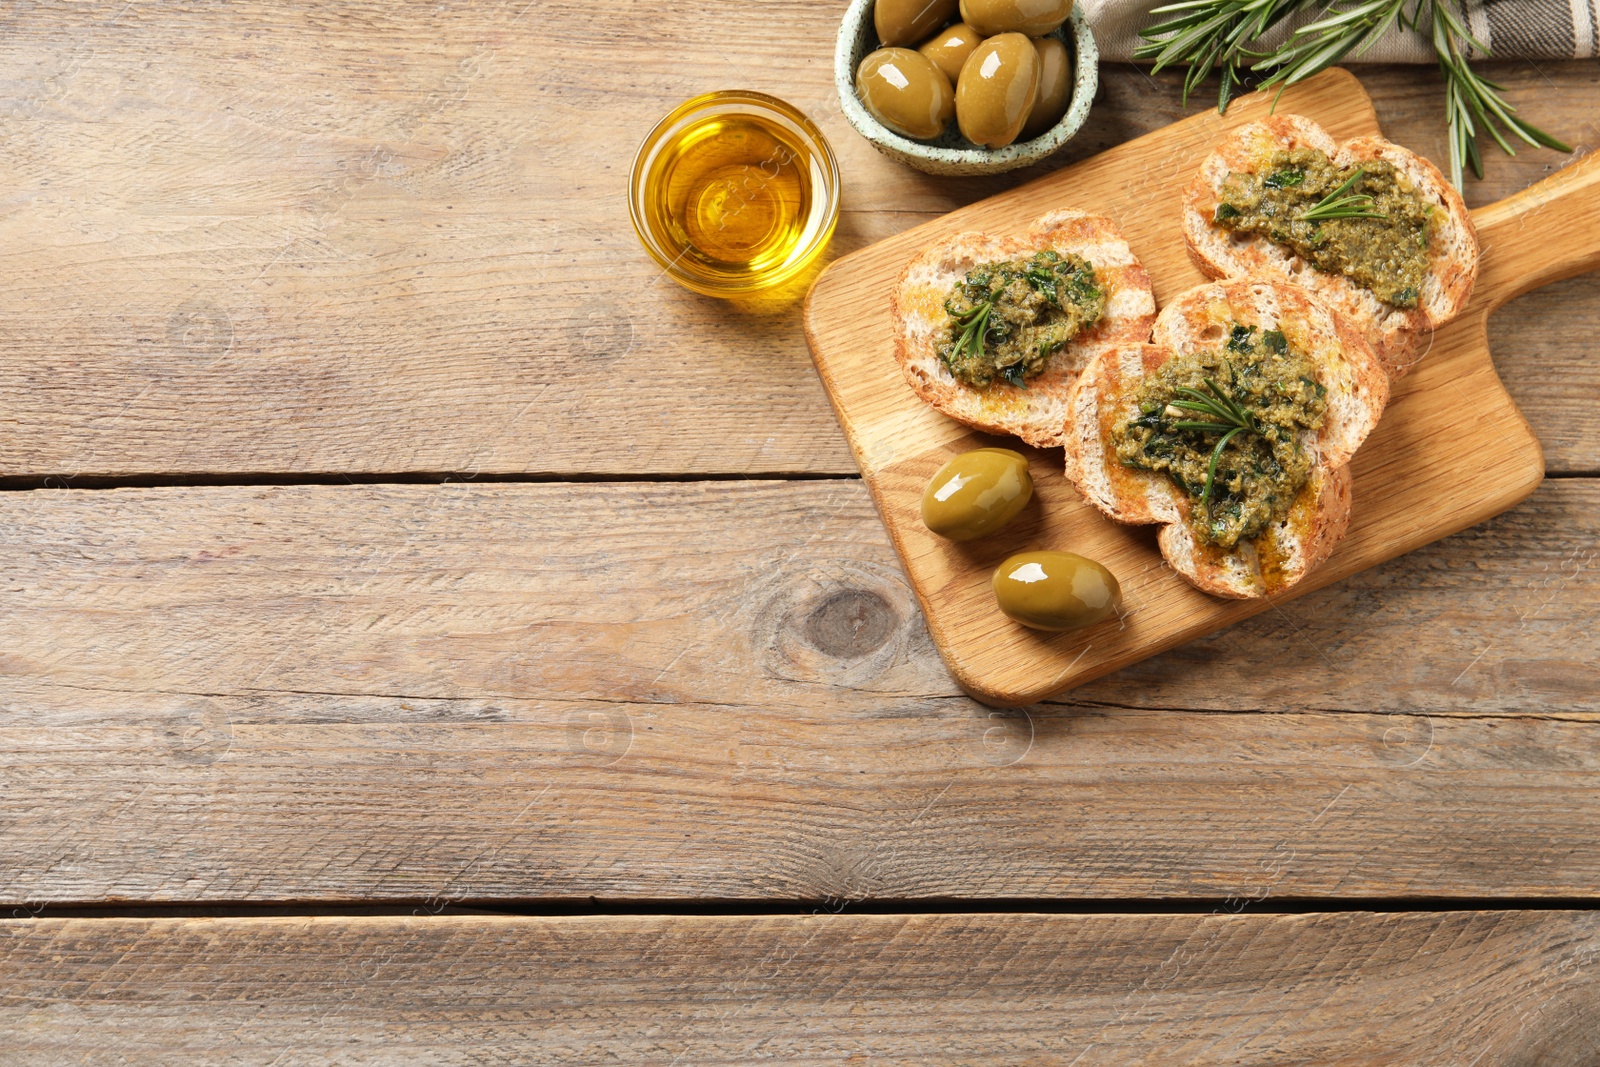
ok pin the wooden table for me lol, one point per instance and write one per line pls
(428, 637)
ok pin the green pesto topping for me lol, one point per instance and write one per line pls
(1008, 318)
(1365, 222)
(1228, 427)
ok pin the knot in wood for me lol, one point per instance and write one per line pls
(851, 623)
(842, 621)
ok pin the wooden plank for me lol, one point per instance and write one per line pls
(723, 689)
(1355, 989)
(393, 240)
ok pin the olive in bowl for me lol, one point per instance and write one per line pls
(1032, 17)
(906, 92)
(908, 22)
(976, 493)
(1055, 591)
(1055, 87)
(996, 91)
(951, 48)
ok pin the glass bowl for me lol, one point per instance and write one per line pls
(734, 192)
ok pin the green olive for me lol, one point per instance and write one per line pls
(1055, 590)
(998, 84)
(906, 92)
(905, 22)
(951, 48)
(1055, 87)
(1032, 17)
(976, 493)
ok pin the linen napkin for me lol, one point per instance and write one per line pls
(1513, 29)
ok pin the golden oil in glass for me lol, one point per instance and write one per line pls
(734, 192)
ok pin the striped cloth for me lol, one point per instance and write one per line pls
(1513, 29)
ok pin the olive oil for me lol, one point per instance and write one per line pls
(735, 198)
(733, 192)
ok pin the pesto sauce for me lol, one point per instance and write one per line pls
(1008, 318)
(1388, 256)
(1258, 474)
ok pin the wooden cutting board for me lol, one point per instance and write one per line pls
(1452, 449)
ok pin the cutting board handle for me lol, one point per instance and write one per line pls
(1547, 232)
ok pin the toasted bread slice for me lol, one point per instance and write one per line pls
(1400, 336)
(1199, 319)
(1037, 413)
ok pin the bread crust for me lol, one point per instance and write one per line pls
(1278, 559)
(1399, 336)
(1037, 414)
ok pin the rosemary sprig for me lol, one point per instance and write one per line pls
(1216, 35)
(1223, 413)
(974, 323)
(1342, 31)
(1469, 97)
(1211, 35)
(1336, 205)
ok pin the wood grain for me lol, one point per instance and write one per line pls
(1425, 472)
(281, 238)
(457, 693)
(393, 239)
(1512, 989)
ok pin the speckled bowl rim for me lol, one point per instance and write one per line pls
(852, 46)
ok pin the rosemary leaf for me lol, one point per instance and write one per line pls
(1211, 468)
(1337, 205)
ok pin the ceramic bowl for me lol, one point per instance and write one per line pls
(952, 154)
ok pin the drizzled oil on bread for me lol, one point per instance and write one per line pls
(1036, 413)
(1281, 556)
(1399, 336)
